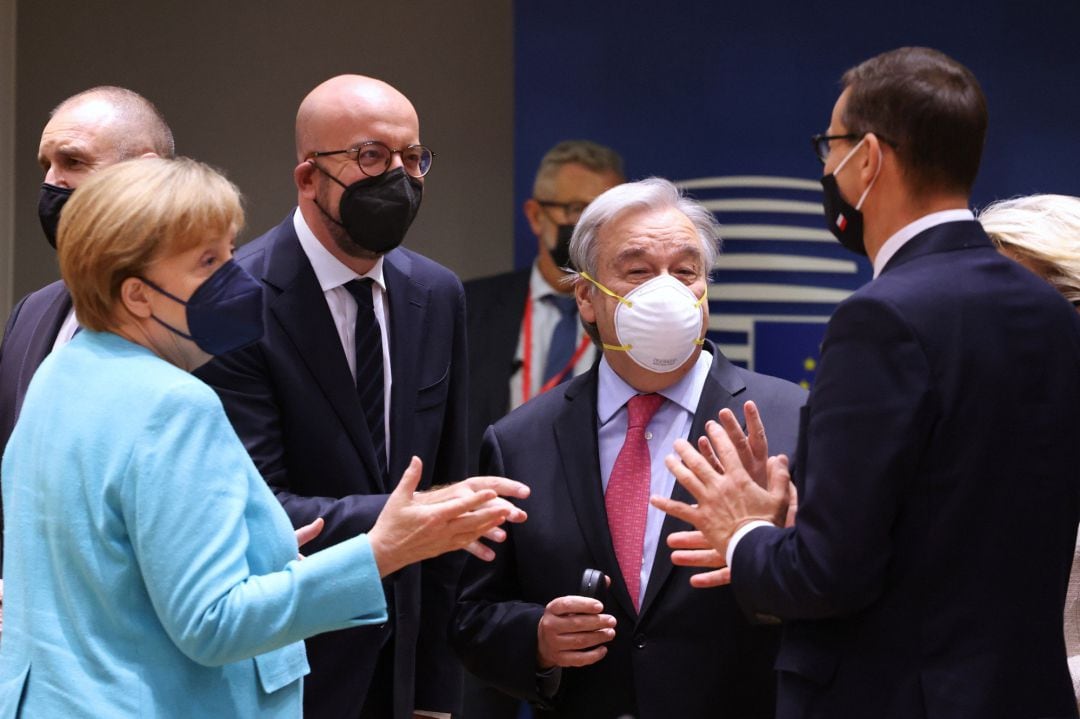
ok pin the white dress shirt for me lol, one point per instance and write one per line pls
(544, 318)
(332, 275)
(672, 421)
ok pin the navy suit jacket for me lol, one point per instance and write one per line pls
(293, 402)
(690, 652)
(496, 307)
(28, 339)
(925, 575)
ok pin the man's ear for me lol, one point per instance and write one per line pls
(533, 210)
(583, 293)
(135, 297)
(870, 164)
(304, 177)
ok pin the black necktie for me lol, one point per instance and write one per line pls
(370, 386)
(564, 337)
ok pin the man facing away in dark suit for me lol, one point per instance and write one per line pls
(926, 570)
(523, 328)
(85, 133)
(592, 451)
(361, 367)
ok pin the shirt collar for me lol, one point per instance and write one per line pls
(613, 391)
(329, 270)
(901, 238)
(539, 287)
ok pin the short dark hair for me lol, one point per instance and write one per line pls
(926, 105)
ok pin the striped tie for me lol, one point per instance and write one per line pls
(370, 386)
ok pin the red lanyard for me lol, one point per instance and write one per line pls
(526, 365)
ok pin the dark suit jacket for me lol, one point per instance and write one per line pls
(926, 572)
(496, 306)
(28, 338)
(690, 653)
(293, 402)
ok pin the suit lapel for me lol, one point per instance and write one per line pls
(300, 308)
(722, 386)
(408, 304)
(42, 338)
(579, 454)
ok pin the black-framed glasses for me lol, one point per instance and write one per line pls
(572, 210)
(374, 157)
(821, 143)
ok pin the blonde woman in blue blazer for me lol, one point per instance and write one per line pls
(149, 570)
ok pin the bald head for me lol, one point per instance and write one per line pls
(138, 127)
(98, 128)
(349, 109)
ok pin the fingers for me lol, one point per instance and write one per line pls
(755, 428)
(503, 487)
(679, 510)
(720, 435)
(410, 480)
(705, 447)
(688, 540)
(495, 534)
(480, 550)
(779, 479)
(716, 578)
(694, 472)
(309, 531)
(570, 631)
(730, 424)
(698, 558)
(575, 605)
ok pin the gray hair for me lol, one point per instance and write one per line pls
(1044, 229)
(591, 155)
(143, 126)
(654, 193)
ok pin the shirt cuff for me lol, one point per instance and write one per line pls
(425, 713)
(742, 532)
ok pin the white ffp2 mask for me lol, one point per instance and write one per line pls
(658, 324)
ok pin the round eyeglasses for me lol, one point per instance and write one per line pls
(374, 158)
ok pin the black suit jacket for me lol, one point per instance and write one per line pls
(938, 501)
(293, 402)
(28, 338)
(691, 652)
(496, 306)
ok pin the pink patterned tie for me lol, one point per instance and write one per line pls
(627, 497)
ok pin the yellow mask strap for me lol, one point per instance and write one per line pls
(607, 292)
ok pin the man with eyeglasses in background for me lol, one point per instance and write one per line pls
(362, 367)
(523, 327)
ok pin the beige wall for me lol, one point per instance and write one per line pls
(228, 76)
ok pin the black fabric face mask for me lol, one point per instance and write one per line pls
(844, 221)
(51, 201)
(376, 212)
(560, 254)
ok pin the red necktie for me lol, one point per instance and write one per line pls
(627, 496)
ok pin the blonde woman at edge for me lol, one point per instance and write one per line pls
(1042, 233)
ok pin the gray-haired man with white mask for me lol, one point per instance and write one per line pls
(593, 452)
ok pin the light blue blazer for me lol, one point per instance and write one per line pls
(148, 569)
